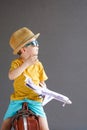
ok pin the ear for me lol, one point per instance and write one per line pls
(23, 49)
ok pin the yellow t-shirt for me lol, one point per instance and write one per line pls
(35, 72)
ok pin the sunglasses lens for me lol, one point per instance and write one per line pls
(33, 43)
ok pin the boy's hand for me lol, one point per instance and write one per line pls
(32, 60)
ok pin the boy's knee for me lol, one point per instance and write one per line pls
(43, 123)
(6, 125)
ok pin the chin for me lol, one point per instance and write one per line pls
(35, 54)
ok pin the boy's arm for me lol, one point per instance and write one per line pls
(18, 71)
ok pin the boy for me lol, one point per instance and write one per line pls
(24, 43)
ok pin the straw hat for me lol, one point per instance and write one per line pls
(20, 38)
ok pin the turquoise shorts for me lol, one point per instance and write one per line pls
(16, 105)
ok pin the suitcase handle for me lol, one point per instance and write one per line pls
(25, 106)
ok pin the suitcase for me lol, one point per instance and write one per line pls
(25, 119)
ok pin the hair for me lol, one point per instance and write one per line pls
(19, 52)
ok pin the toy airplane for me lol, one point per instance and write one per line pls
(47, 93)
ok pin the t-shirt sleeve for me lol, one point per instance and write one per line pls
(14, 64)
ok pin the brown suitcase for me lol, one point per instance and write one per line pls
(25, 119)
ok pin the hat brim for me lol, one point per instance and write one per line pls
(25, 42)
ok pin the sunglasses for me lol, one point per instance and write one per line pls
(33, 43)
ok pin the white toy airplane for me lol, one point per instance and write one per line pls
(46, 93)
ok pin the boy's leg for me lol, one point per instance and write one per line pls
(6, 125)
(43, 123)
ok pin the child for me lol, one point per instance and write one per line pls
(24, 43)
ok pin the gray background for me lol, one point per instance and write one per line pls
(63, 51)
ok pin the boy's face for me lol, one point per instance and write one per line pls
(31, 49)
